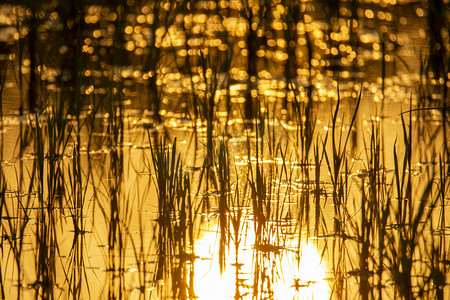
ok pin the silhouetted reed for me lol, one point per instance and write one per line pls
(176, 215)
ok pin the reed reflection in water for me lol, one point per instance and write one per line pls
(236, 149)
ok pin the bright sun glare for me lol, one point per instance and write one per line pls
(290, 278)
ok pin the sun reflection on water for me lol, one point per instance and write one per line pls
(257, 272)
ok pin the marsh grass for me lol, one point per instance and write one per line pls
(41, 200)
(338, 168)
(176, 216)
(389, 220)
(224, 180)
(414, 215)
(46, 180)
(17, 219)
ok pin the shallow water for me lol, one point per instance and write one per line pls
(293, 198)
